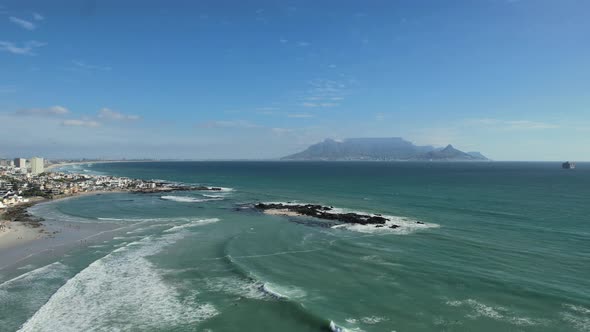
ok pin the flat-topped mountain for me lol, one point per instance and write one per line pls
(384, 149)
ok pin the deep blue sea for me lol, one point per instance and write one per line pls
(500, 246)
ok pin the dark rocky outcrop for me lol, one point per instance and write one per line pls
(326, 213)
(19, 213)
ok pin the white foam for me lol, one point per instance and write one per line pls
(373, 320)
(337, 328)
(405, 226)
(577, 308)
(479, 309)
(111, 219)
(213, 196)
(237, 286)
(577, 316)
(286, 292)
(121, 291)
(199, 222)
(186, 199)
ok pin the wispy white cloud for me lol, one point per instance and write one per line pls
(511, 124)
(110, 115)
(229, 124)
(283, 41)
(300, 115)
(84, 65)
(23, 23)
(308, 104)
(267, 110)
(527, 125)
(303, 44)
(38, 17)
(80, 123)
(27, 48)
(51, 111)
(325, 93)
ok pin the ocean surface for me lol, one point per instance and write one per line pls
(504, 247)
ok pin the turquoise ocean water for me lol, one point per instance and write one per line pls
(504, 247)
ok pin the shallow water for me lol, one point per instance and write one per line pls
(504, 247)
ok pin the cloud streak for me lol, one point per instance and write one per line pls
(51, 111)
(23, 23)
(80, 123)
(300, 115)
(308, 104)
(512, 124)
(84, 65)
(110, 115)
(27, 48)
(229, 124)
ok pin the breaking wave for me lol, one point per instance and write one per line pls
(123, 290)
(199, 222)
(187, 199)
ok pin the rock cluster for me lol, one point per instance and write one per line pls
(326, 213)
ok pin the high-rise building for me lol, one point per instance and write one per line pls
(37, 165)
(20, 163)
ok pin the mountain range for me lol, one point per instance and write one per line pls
(381, 149)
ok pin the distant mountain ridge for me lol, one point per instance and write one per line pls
(380, 149)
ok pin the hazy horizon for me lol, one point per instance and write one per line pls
(226, 80)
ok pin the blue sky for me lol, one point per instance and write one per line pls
(263, 79)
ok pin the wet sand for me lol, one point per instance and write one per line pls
(15, 233)
(20, 243)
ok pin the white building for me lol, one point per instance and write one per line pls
(20, 163)
(37, 165)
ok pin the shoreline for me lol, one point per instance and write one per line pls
(22, 233)
(30, 228)
(24, 241)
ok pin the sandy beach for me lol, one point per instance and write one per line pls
(15, 233)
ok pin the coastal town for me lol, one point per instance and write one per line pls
(27, 182)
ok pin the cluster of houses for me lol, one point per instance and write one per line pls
(9, 197)
(16, 187)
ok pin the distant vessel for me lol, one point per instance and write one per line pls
(568, 165)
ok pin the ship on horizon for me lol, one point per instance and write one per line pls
(568, 165)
